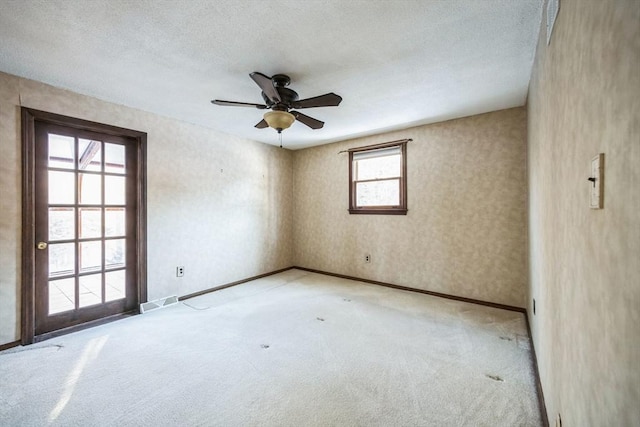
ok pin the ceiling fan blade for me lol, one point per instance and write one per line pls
(238, 104)
(326, 100)
(262, 124)
(266, 84)
(309, 121)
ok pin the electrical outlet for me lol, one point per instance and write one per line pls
(367, 258)
(179, 271)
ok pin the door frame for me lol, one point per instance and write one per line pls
(29, 119)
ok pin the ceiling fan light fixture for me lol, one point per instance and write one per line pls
(279, 120)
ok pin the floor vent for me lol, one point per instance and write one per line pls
(158, 303)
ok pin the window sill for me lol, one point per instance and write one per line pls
(378, 211)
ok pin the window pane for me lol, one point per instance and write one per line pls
(114, 190)
(114, 285)
(62, 295)
(62, 223)
(90, 155)
(90, 288)
(62, 259)
(89, 189)
(378, 193)
(90, 222)
(114, 222)
(114, 253)
(61, 188)
(114, 158)
(61, 151)
(378, 167)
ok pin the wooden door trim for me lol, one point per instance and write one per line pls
(29, 118)
(28, 227)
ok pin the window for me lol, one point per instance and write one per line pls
(377, 179)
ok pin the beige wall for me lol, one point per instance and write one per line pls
(223, 207)
(584, 99)
(218, 205)
(465, 232)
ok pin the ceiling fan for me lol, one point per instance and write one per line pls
(281, 101)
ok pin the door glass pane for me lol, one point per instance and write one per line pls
(62, 259)
(114, 253)
(90, 155)
(62, 223)
(61, 188)
(61, 151)
(62, 295)
(90, 288)
(114, 219)
(114, 190)
(90, 222)
(114, 285)
(114, 158)
(90, 256)
(89, 189)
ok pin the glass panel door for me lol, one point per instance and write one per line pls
(85, 200)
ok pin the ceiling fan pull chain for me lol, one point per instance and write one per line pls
(280, 137)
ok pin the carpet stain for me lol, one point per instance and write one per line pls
(264, 345)
(523, 342)
(346, 299)
(58, 347)
(506, 338)
(494, 377)
(196, 308)
(320, 319)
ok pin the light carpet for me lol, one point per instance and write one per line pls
(292, 349)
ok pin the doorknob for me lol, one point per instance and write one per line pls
(42, 245)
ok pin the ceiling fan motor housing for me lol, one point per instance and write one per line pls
(287, 97)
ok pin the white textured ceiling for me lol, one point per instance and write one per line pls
(395, 63)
